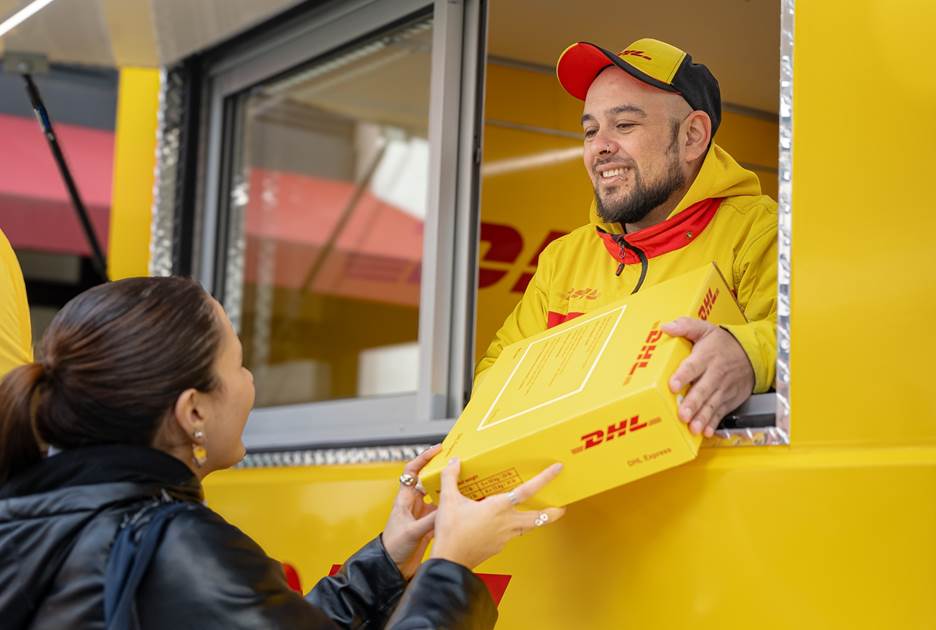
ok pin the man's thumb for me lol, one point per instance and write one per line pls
(688, 327)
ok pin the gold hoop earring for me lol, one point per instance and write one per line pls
(199, 452)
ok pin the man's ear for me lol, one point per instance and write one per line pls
(187, 412)
(698, 135)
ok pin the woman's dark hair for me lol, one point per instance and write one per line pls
(109, 368)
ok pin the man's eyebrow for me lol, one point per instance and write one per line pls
(627, 109)
(614, 111)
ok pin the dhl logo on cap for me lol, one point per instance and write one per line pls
(649, 60)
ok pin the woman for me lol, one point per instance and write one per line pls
(141, 390)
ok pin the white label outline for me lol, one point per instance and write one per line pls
(620, 309)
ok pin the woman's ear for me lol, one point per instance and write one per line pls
(187, 412)
(698, 135)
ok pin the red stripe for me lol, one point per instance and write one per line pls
(670, 235)
(554, 319)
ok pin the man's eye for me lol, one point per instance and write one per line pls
(625, 126)
(589, 133)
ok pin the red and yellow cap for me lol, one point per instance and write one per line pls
(654, 62)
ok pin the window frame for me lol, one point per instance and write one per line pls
(446, 317)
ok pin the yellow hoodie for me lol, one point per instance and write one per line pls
(723, 218)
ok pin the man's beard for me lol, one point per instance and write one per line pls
(642, 199)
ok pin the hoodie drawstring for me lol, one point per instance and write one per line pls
(644, 264)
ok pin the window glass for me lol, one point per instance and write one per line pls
(329, 200)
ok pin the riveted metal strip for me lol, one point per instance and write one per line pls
(332, 456)
(785, 217)
(170, 119)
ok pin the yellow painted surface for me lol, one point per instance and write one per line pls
(134, 164)
(741, 538)
(864, 289)
(836, 531)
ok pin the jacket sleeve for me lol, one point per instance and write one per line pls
(528, 317)
(364, 592)
(215, 576)
(755, 279)
(446, 595)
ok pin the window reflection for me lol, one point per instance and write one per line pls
(330, 200)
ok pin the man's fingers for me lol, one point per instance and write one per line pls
(688, 371)
(529, 488)
(688, 327)
(701, 391)
(419, 462)
(705, 416)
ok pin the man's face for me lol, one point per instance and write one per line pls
(632, 152)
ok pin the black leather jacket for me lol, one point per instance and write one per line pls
(59, 519)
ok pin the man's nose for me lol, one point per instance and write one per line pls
(605, 146)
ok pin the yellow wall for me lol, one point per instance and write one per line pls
(134, 164)
(836, 531)
(864, 286)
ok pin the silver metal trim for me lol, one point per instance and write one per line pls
(169, 126)
(785, 217)
(467, 203)
(766, 436)
(435, 299)
(332, 456)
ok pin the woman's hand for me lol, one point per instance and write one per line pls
(469, 532)
(409, 528)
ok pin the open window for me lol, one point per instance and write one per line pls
(534, 186)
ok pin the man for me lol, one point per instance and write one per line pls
(15, 330)
(667, 200)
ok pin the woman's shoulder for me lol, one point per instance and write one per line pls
(207, 573)
(200, 527)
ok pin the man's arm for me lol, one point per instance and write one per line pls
(756, 286)
(729, 363)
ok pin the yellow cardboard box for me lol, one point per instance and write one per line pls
(591, 393)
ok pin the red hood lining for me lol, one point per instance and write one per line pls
(662, 238)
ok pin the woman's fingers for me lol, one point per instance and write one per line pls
(528, 520)
(449, 479)
(419, 462)
(409, 495)
(528, 489)
(424, 525)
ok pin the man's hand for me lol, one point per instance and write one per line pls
(718, 369)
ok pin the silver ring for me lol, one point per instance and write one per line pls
(408, 480)
(541, 520)
(512, 497)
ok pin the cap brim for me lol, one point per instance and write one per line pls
(581, 62)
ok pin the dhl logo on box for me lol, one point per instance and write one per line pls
(591, 393)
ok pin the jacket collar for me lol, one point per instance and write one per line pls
(674, 233)
(105, 464)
